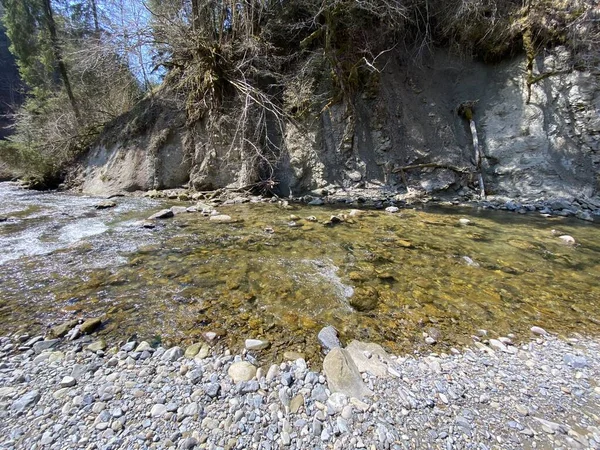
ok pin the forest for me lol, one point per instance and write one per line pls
(84, 64)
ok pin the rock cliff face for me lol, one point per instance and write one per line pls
(547, 148)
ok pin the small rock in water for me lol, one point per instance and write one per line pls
(328, 338)
(464, 222)
(105, 205)
(392, 209)
(90, 325)
(162, 214)
(539, 331)
(256, 344)
(221, 218)
(316, 202)
(569, 240)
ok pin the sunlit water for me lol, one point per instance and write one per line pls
(504, 273)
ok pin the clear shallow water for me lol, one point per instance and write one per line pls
(61, 257)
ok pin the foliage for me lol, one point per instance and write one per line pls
(245, 68)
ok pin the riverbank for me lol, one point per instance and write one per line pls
(380, 197)
(542, 394)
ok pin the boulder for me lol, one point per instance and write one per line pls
(343, 375)
(369, 357)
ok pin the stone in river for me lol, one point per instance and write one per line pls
(90, 325)
(343, 375)
(256, 344)
(328, 338)
(539, 331)
(105, 205)
(62, 329)
(221, 218)
(162, 214)
(241, 371)
(569, 240)
(97, 346)
(193, 350)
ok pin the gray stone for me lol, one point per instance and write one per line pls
(162, 214)
(68, 382)
(173, 354)
(25, 402)
(328, 338)
(256, 344)
(343, 375)
(40, 346)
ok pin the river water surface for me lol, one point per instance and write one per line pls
(414, 272)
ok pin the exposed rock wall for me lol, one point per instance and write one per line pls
(547, 148)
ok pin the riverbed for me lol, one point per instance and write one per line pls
(391, 278)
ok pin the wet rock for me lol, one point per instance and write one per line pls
(568, 240)
(539, 331)
(464, 222)
(316, 202)
(97, 346)
(256, 344)
(193, 350)
(162, 214)
(62, 329)
(392, 209)
(328, 338)
(179, 210)
(343, 375)
(105, 204)
(364, 299)
(241, 371)
(90, 325)
(221, 218)
(292, 355)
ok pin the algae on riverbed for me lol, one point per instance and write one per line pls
(406, 273)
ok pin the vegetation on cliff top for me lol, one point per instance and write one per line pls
(253, 63)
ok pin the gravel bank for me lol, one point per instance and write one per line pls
(543, 394)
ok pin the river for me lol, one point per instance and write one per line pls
(381, 277)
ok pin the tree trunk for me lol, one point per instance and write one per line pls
(95, 14)
(195, 15)
(62, 68)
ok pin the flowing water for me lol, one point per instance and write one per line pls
(408, 273)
